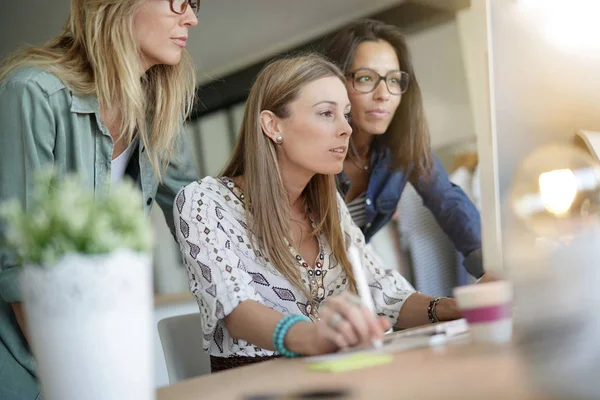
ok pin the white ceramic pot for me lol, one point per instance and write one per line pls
(89, 321)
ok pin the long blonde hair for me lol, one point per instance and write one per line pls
(96, 54)
(255, 157)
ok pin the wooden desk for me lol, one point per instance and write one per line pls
(455, 371)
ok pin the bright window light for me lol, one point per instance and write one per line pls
(558, 189)
(570, 24)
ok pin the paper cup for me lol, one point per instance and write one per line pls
(487, 307)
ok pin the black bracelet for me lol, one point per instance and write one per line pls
(431, 310)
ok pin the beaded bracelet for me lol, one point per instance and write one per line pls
(281, 330)
(433, 318)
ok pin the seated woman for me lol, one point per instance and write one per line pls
(265, 243)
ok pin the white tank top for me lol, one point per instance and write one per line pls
(119, 164)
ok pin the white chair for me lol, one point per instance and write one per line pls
(181, 339)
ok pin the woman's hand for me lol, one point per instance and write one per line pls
(345, 322)
(447, 310)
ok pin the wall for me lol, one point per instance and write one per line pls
(473, 32)
(438, 60)
(33, 22)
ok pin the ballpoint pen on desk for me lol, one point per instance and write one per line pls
(362, 286)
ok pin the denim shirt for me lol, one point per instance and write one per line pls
(452, 209)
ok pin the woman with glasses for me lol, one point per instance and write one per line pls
(106, 98)
(390, 140)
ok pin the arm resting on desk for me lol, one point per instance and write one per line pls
(414, 311)
(255, 323)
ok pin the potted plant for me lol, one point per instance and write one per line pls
(86, 283)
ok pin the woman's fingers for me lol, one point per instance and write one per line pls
(358, 321)
(327, 319)
(339, 340)
(375, 328)
(345, 322)
(385, 323)
(359, 325)
(349, 331)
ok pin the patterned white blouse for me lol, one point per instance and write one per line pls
(224, 271)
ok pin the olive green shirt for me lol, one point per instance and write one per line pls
(42, 123)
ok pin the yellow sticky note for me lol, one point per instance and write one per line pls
(350, 362)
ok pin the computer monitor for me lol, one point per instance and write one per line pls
(543, 73)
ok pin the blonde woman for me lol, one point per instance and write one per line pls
(265, 243)
(105, 98)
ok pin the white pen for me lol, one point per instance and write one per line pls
(362, 286)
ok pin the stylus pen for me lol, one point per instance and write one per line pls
(362, 286)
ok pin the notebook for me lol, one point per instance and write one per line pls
(408, 339)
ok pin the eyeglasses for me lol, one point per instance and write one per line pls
(180, 6)
(365, 80)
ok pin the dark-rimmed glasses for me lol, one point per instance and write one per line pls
(180, 6)
(365, 80)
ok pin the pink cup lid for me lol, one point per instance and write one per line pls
(487, 314)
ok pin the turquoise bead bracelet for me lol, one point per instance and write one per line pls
(281, 330)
